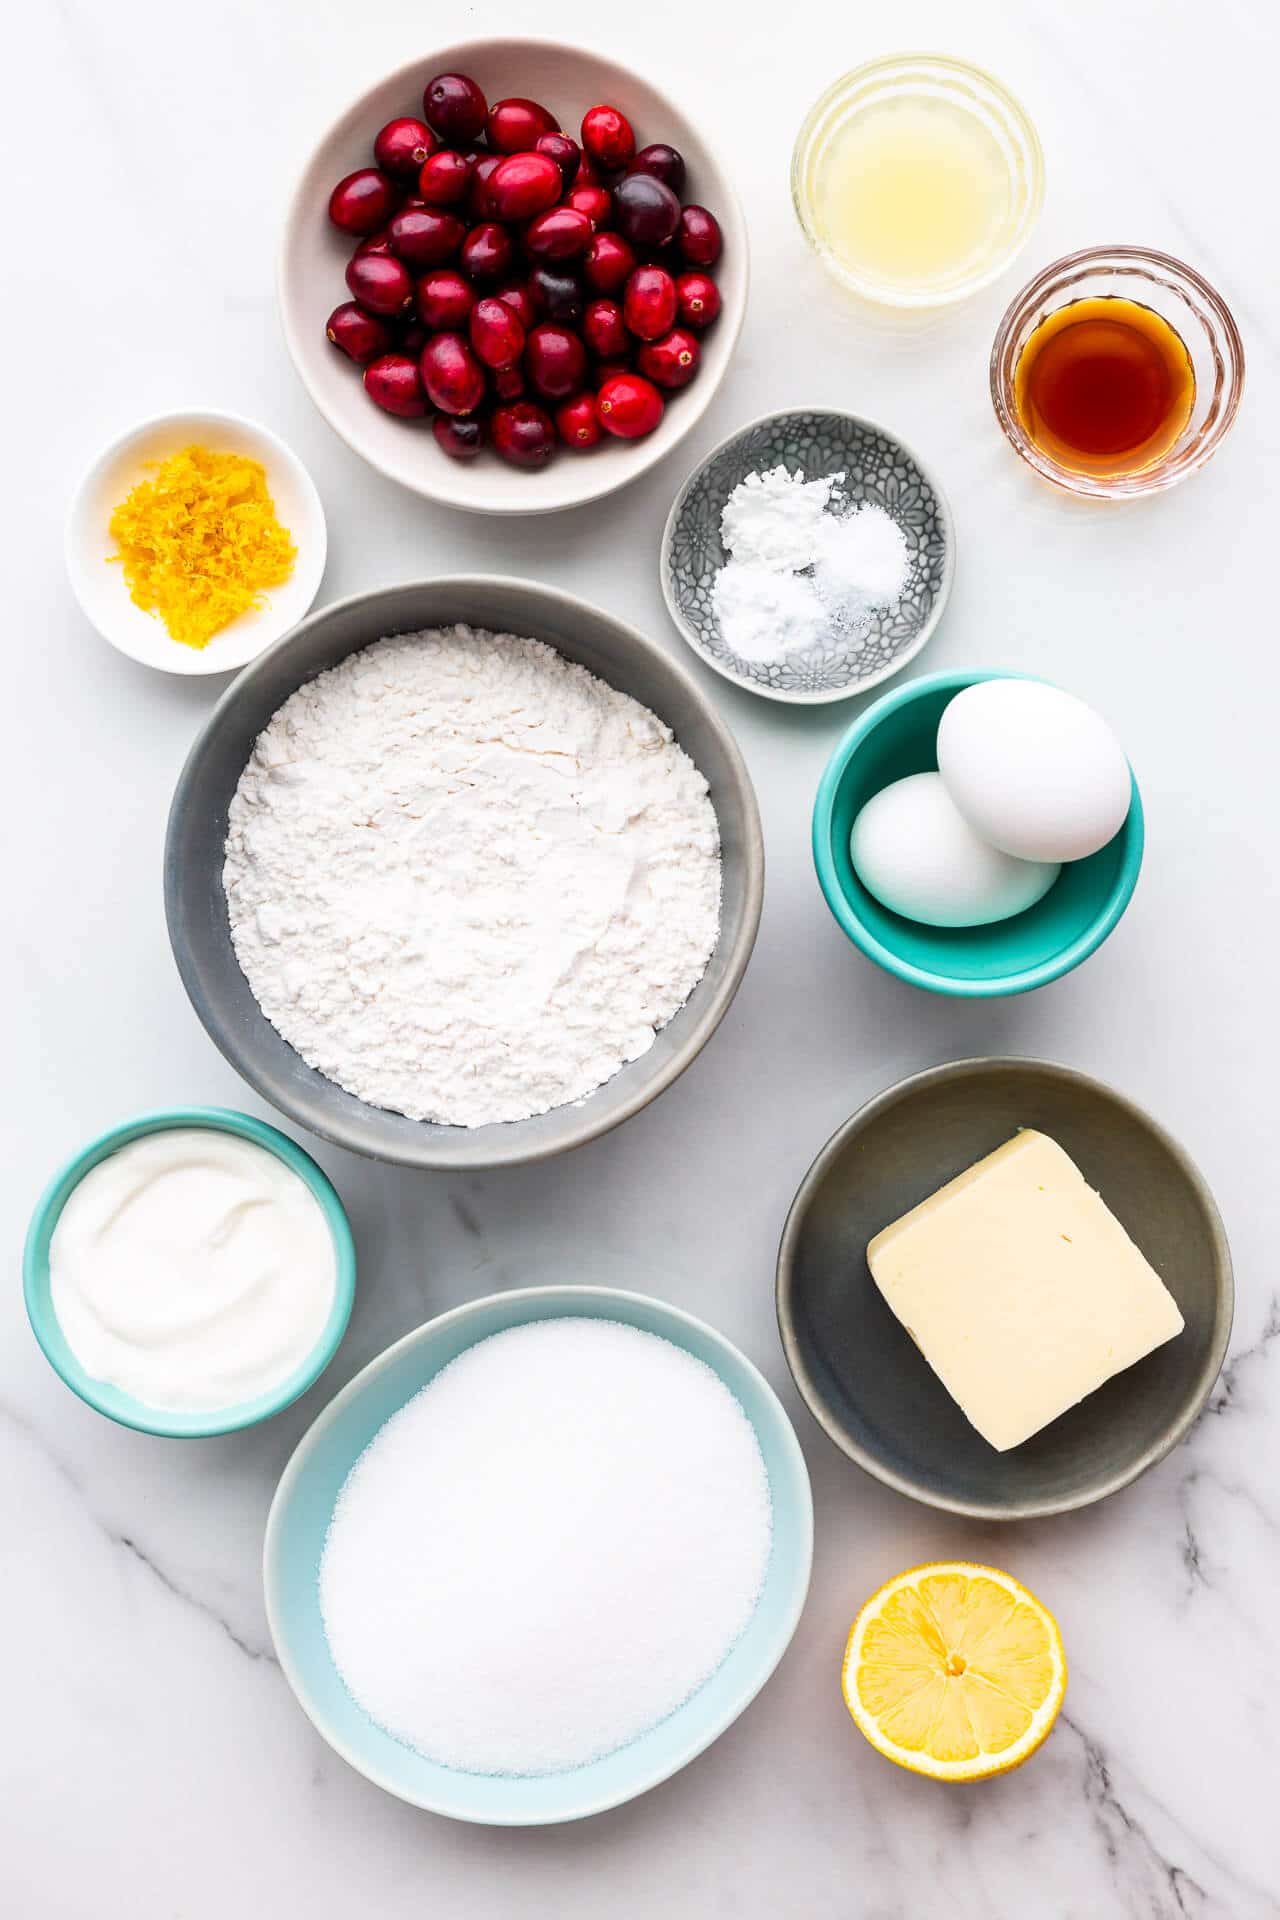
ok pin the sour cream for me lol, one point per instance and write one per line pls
(192, 1269)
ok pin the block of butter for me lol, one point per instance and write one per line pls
(1021, 1288)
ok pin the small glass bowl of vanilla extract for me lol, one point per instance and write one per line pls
(1117, 372)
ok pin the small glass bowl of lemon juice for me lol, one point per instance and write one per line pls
(917, 179)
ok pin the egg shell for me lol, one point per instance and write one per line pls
(1033, 770)
(914, 850)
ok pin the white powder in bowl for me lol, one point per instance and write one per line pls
(548, 1549)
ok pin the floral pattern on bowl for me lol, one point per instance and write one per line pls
(879, 470)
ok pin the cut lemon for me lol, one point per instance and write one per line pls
(955, 1671)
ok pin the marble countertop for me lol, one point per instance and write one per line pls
(154, 1762)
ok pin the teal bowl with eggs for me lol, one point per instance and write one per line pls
(897, 736)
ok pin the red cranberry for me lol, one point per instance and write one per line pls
(402, 146)
(411, 339)
(699, 237)
(649, 304)
(451, 374)
(577, 424)
(629, 406)
(363, 202)
(523, 434)
(462, 438)
(444, 179)
(376, 243)
(455, 107)
(559, 234)
(610, 262)
(444, 300)
(424, 236)
(497, 336)
(595, 202)
(588, 174)
(514, 126)
(697, 299)
(670, 362)
(606, 370)
(478, 194)
(361, 336)
(663, 162)
(518, 299)
(647, 213)
(566, 153)
(555, 361)
(380, 284)
(603, 330)
(393, 382)
(508, 383)
(487, 252)
(524, 184)
(557, 294)
(607, 137)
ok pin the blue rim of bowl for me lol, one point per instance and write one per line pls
(1026, 978)
(613, 1296)
(123, 1407)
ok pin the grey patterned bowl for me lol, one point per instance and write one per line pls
(878, 469)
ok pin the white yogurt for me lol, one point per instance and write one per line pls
(192, 1269)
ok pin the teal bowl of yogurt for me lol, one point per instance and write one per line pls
(269, 1263)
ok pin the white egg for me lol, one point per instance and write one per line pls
(1033, 770)
(913, 849)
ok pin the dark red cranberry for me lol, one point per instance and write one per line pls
(402, 146)
(523, 184)
(566, 153)
(603, 330)
(606, 370)
(523, 434)
(664, 163)
(380, 284)
(455, 108)
(672, 361)
(697, 299)
(595, 202)
(411, 338)
(444, 179)
(699, 237)
(555, 361)
(497, 336)
(629, 406)
(607, 137)
(478, 193)
(588, 174)
(363, 202)
(393, 382)
(518, 299)
(361, 336)
(379, 242)
(577, 424)
(451, 374)
(609, 264)
(557, 294)
(444, 300)
(461, 438)
(487, 252)
(649, 304)
(516, 125)
(425, 237)
(508, 383)
(560, 233)
(645, 211)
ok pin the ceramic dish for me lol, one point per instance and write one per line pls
(123, 1407)
(314, 256)
(898, 736)
(304, 1503)
(857, 1367)
(878, 469)
(197, 912)
(100, 587)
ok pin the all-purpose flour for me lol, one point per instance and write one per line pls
(468, 880)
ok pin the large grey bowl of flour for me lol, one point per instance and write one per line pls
(196, 906)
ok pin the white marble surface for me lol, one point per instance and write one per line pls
(153, 1762)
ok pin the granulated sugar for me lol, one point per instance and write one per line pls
(548, 1549)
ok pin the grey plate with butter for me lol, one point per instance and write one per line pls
(196, 908)
(857, 1367)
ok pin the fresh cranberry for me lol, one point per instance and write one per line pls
(487, 252)
(361, 336)
(566, 153)
(515, 126)
(557, 294)
(609, 264)
(588, 174)
(603, 330)
(523, 184)
(478, 194)
(497, 336)
(645, 211)
(663, 162)
(699, 237)
(559, 234)
(363, 202)
(455, 107)
(379, 242)
(697, 299)
(393, 382)
(606, 370)
(508, 383)
(425, 237)
(523, 434)
(577, 423)
(380, 284)
(443, 300)
(402, 146)
(518, 299)
(444, 179)
(629, 406)
(461, 438)
(595, 202)
(649, 304)
(607, 137)
(451, 374)
(672, 361)
(555, 361)
(411, 338)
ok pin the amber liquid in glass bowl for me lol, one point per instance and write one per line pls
(1104, 386)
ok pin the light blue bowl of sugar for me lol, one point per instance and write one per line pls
(303, 1508)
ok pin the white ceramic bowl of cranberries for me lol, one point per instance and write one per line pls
(429, 316)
